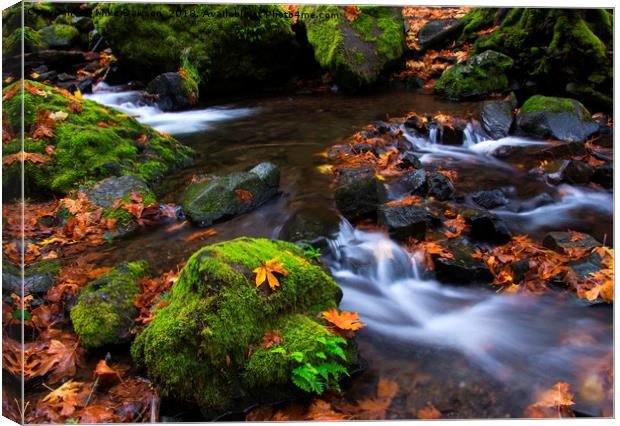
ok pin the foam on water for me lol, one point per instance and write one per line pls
(175, 123)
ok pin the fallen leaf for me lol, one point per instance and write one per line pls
(266, 271)
(343, 320)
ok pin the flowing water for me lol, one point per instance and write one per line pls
(470, 351)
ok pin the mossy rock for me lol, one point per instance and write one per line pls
(93, 142)
(173, 91)
(205, 347)
(478, 77)
(560, 118)
(230, 45)
(551, 47)
(59, 36)
(214, 198)
(37, 278)
(105, 312)
(354, 52)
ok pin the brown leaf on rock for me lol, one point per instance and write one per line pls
(429, 412)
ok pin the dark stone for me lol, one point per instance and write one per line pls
(453, 135)
(563, 150)
(490, 199)
(215, 198)
(416, 123)
(337, 151)
(409, 159)
(463, 268)
(83, 23)
(170, 92)
(86, 85)
(486, 226)
(107, 191)
(313, 225)
(558, 241)
(604, 176)
(559, 118)
(440, 187)
(358, 193)
(405, 221)
(439, 32)
(65, 77)
(38, 278)
(445, 60)
(47, 76)
(496, 117)
(586, 265)
(414, 82)
(415, 182)
(575, 171)
(360, 148)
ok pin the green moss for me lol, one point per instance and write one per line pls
(224, 47)
(479, 18)
(539, 103)
(90, 145)
(376, 35)
(196, 348)
(104, 312)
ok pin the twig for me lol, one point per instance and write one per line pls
(92, 390)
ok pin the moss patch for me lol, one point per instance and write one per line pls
(89, 145)
(105, 311)
(197, 347)
(539, 103)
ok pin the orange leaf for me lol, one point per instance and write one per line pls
(352, 12)
(266, 272)
(428, 413)
(343, 320)
(207, 233)
(243, 196)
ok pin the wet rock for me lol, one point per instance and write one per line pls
(586, 265)
(416, 123)
(414, 182)
(453, 134)
(535, 202)
(578, 172)
(358, 193)
(497, 118)
(85, 85)
(314, 225)
(214, 198)
(409, 160)
(172, 92)
(463, 268)
(563, 150)
(405, 221)
(559, 118)
(360, 148)
(490, 199)
(558, 241)
(479, 76)
(486, 226)
(216, 313)
(604, 176)
(84, 24)
(439, 32)
(65, 77)
(107, 191)
(414, 82)
(38, 278)
(105, 311)
(440, 187)
(59, 36)
(338, 151)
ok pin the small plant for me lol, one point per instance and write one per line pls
(310, 251)
(320, 370)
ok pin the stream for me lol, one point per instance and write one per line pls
(472, 352)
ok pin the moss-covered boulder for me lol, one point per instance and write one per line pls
(59, 36)
(559, 118)
(105, 312)
(478, 77)
(231, 45)
(208, 345)
(552, 48)
(173, 91)
(71, 141)
(355, 52)
(213, 198)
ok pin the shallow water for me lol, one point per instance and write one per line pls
(472, 352)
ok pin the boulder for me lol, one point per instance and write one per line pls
(214, 198)
(558, 241)
(462, 268)
(37, 278)
(172, 92)
(497, 118)
(355, 52)
(105, 312)
(479, 76)
(214, 331)
(577, 172)
(59, 36)
(490, 199)
(313, 225)
(440, 187)
(559, 118)
(91, 143)
(414, 182)
(604, 176)
(486, 226)
(405, 221)
(409, 160)
(358, 193)
(439, 32)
